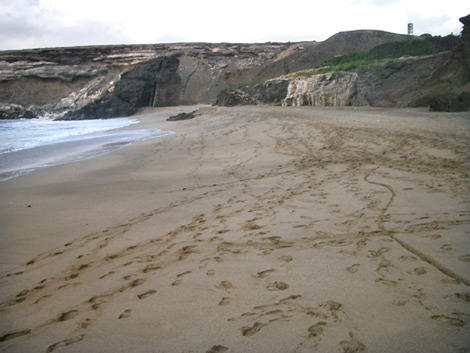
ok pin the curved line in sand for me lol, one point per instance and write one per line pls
(406, 246)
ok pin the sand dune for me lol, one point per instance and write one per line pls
(252, 229)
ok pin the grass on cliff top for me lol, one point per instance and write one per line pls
(384, 54)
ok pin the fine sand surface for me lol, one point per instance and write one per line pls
(251, 229)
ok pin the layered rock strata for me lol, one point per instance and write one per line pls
(109, 81)
(440, 81)
(103, 82)
(331, 89)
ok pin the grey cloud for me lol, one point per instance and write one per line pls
(377, 2)
(22, 29)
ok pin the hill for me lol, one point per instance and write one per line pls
(426, 71)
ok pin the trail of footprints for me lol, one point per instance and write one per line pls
(214, 229)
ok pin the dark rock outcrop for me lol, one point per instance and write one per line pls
(460, 103)
(183, 116)
(14, 111)
(231, 98)
(154, 83)
(270, 92)
(466, 39)
(455, 76)
(403, 83)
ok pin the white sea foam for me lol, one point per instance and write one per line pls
(27, 145)
(16, 135)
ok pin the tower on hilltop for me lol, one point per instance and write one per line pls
(410, 29)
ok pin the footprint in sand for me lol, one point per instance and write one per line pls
(449, 320)
(386, 282)
(463, 296)
(86, 323)
(377, 253)
(465, 258)
(317, 329)
(179, 280)
(407, 258)
(184, 274)
(352, 345)
(146, 294)
(65, 316)
(432, 236)
(263, 274)
(446, 247)
(224, 285)
(277, 286)
(419, 271)
(399, 302)
(125, 314)
(107, 274)
(13, 335)
(353, 268)
(217, 349)
(225, 301)
(150, 268)
(72, 276)
(285, 258)
(64, 343)
(250, 331)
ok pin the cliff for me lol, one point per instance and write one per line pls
(110, 81)
(331, 89)
(440, 81)
(102, 82)
(408, 82)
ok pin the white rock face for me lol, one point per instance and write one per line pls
(331, 89)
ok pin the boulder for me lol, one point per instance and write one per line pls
(466, 38)
(270, 92)
(231, 98)
(183, 116)
(16, 111)
(450, 103)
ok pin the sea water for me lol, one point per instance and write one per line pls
(30, 144)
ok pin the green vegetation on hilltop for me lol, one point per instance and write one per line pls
(386, 53)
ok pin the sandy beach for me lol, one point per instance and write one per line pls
(251, 229)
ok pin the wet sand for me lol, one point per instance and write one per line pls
(251, 229)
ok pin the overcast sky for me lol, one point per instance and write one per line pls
(53, 23)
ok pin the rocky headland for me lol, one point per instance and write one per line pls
(110, 81)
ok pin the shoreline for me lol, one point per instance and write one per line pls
(250, 229)
(74, 149)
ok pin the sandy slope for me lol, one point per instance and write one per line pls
(257, 229)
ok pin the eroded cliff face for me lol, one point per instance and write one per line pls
(331, 89)
(405, 83)
(109, 81)
(112, 81)
(440, 81)
(103, 82)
